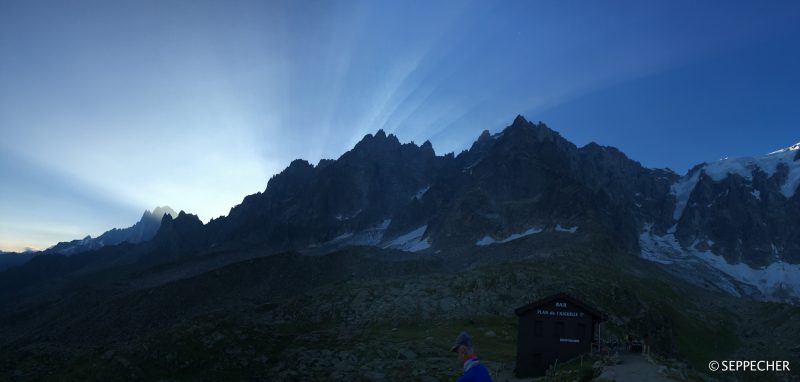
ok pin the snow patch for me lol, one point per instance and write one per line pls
(411, 241)
(774, 279)
(793, 147)
(777, 279)
(469, 167)
(342, 237)
(665, 249)
(661, 249)
(370, 236)
(341, 217)
(488, 240)
(420, 193)
(559, 228)
(756, 194)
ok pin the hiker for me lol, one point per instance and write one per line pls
(648, 341)
(474, 371)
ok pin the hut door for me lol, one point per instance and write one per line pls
(536, 362)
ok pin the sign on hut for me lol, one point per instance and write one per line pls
(554, 329)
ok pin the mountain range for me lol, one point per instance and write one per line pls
(143, 230)
(730, 224)
(385, 214)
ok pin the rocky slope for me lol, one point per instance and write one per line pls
(364, 314)
(14, 259)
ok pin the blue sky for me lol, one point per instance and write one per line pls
(109, 108)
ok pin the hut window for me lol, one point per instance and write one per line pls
(538, 328)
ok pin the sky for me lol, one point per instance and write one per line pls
(109, 108)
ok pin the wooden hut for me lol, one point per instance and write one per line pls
(554, 329)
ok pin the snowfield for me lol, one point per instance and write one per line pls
(411, 241)
(778, 282)
(744, 167)
(559, 228)
(489, 240)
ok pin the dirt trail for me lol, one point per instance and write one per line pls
(633, 368)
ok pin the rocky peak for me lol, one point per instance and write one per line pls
(522, 131)
(160, 211)
(166, 219)
(299, 165)
(292, 178)
(157, 213)
(427, 149)
(183, 219)
(594, 147)
(325, 163)
(520, 121)
(181, 227)
(376, 144)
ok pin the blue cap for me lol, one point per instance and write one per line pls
(462, 339)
